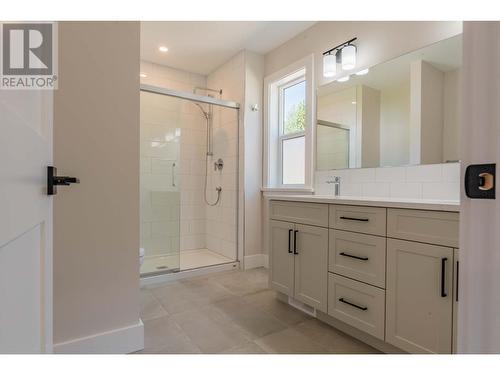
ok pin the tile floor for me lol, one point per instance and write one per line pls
(233, 312)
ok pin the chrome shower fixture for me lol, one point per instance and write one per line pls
(218, 165)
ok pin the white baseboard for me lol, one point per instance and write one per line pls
(119, 341)
(255, 261)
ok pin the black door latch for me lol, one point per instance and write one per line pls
(480, 181)
(53, 180)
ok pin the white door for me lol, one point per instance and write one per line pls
(479, 307)
(25, 222)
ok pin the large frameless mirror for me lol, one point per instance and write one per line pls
(405, 111)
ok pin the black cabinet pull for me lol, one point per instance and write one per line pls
(456, 287)
(353, 218)
(364, 308)
(443, 277)
(295, 242)
(353, 256)
(289, 241)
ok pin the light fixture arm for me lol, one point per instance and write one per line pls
(339, 47)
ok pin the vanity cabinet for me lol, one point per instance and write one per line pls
(419, 297)
(299, 260)
(391, 273)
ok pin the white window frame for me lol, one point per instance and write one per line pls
(272, 160)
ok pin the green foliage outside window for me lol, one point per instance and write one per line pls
(295, 120)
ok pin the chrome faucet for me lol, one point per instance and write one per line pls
(336, 184)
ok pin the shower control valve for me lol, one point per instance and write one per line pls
(219, 164)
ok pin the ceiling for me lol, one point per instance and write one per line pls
(201, 47)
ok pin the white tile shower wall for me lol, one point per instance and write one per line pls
(431, 182)
(221, 223)
(186, 117)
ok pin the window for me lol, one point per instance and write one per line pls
(292, 99)
(288, 116)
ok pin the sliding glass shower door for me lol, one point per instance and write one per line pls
(160, 183)
(189, 181)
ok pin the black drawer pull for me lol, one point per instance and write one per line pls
(353, 256)
(295, 242)
(456, 294)
(364, 308)
(443, 277)
(353, 218)
(290, 241)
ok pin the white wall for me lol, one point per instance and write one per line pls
(254, 77)
(96, 223)
(221, 219)
(479, 299)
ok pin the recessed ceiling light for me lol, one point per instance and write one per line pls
(362, 72)
(163, 49)
(143, 75)
(343, 79)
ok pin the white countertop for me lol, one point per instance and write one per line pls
(419, 204)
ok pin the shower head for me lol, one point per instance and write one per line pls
(205, 113)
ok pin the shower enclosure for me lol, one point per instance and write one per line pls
(188, 180)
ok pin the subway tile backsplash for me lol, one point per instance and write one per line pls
(429, 182)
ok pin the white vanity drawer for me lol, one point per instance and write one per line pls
(300, 212)
(357, 256)
(434, 227)
(369, 220)
(357, 304)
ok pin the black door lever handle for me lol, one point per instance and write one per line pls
(64, 180)
(53, 180)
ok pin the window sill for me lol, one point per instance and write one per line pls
(287, 190)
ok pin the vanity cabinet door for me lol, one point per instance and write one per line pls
(311, 266)
(419, 297)
(281, 256)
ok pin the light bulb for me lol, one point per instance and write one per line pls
(329, 65)
(343, 79)
(143, 75)
(163, 49)
(348, 54)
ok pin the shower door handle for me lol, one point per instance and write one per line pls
(173, 174)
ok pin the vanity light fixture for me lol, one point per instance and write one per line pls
(363, 72)
(344, 53)
(329, 65)
(348, 57)
(163, 49)
(343, 79)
